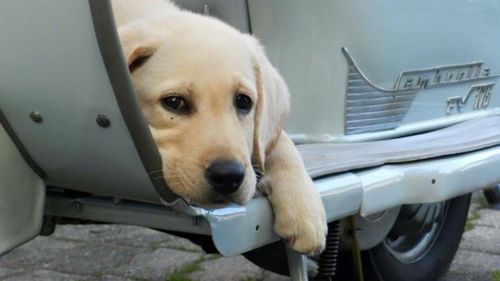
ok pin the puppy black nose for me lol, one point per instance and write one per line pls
(225, 176)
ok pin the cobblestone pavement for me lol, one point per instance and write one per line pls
(114, 252)
(478, 258)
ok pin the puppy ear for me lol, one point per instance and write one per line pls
(138, 43)
(273, 104)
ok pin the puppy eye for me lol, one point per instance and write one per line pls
(174, 104)
(243, 103)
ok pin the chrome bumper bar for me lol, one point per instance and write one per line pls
(237, 229)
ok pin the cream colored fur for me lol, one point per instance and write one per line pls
(207, 62)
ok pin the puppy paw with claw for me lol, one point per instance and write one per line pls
(299, 214)
(303, 225)
(305, 232)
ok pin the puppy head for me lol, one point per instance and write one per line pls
(214, 103)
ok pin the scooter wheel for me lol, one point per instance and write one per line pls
(420, 257)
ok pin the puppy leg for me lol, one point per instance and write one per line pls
(299, 215)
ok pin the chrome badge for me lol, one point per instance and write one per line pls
(482, 97)
(372, 108)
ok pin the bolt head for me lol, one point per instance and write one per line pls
(103, 121)
(36, 117)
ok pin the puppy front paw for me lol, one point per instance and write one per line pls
(302, 226)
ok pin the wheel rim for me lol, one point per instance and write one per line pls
(411, 248)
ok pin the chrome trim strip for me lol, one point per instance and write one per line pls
(354, 66)
(376, 120)
(400, 131)
(383, 113)
(379, 94)
(372, 128)
(388, 106)
(379, 100)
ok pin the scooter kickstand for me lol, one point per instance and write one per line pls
(297, 265)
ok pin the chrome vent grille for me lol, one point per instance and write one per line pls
(369, 109)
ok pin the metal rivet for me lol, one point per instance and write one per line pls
(103, 121)
(36, 117)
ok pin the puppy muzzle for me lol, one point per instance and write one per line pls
(225, 176)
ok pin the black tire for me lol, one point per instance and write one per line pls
(379, 264)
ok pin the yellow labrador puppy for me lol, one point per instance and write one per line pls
(216, 108)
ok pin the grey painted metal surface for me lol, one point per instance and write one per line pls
(22, 195)
(234, 12)
(304, 40)
(55, 68)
